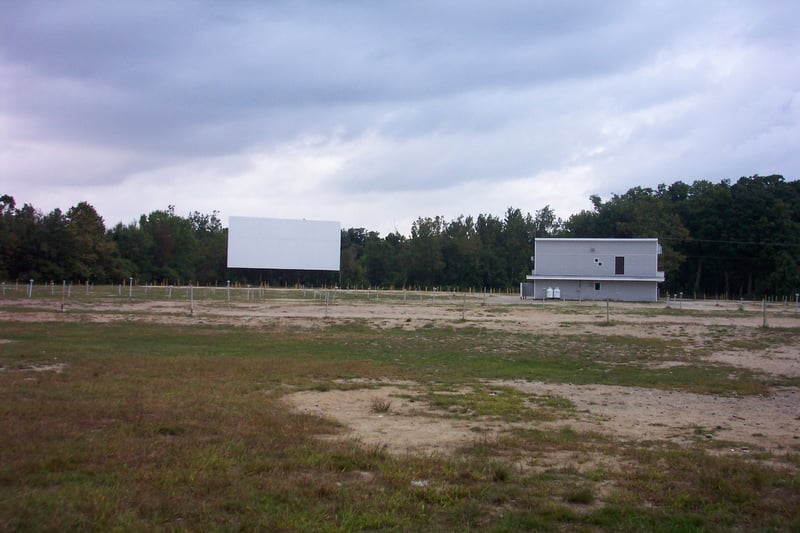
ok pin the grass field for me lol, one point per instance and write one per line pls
(143, 414)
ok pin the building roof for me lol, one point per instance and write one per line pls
(586, 239)
(659, 277)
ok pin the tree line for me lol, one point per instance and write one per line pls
(76, 246)
(736, 240)
(726, 239)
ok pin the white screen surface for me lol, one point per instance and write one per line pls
(284, 244)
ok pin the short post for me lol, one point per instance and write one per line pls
(764, 312)
(30, 288)
(796, 301)
(326, 304)
(130, 287)
(52, 288)
(169, 292)
(607, 318)
(680, 301)
(464, 307)
(63, 293)
(191, 299)
(4, 288)
(228, 289)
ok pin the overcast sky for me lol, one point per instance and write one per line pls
(376, 113)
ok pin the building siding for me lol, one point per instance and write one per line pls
(574, 266)
(642, 291)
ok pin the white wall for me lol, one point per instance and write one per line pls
(283, 244)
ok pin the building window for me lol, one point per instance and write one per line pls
(619, 266)
(597, 286)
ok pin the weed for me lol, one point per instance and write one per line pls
(580, 495)
(500, 472)
(380, 405)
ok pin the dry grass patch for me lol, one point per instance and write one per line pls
(260, 416)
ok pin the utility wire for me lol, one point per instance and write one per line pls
(750, 243)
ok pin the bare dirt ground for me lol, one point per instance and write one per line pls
(739, 424)
(770, 423)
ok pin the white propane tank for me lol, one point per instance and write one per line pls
(549, 292)
(557, 293)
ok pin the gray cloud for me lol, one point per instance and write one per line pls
(359, 99)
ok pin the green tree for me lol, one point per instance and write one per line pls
(56, 248)
(492, 262)
(764, 226)
(517, 245)
(425, 262)
(175, 246)
(136, 249)
(352, 248)
(638, 213)
(397, 250)
(546, 224)
(705, 209)
(27, 229)
(211, 261)
(376, 260)
(9, 241)
(95, 255)
(461, 253)
(785, 276)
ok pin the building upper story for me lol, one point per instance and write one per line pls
(597, 259)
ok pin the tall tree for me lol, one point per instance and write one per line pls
(461, 253)
(212, 246)
(95, 255)
(352, 248)
(638, 213)
(705, 209)
(492, 262)
(57, 248)
(28, 231)
(397, 251)
(517, 245)
(546, 224)
(425, 262)
(9, 241)
(762, 204)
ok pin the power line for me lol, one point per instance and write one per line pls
(718, 241)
